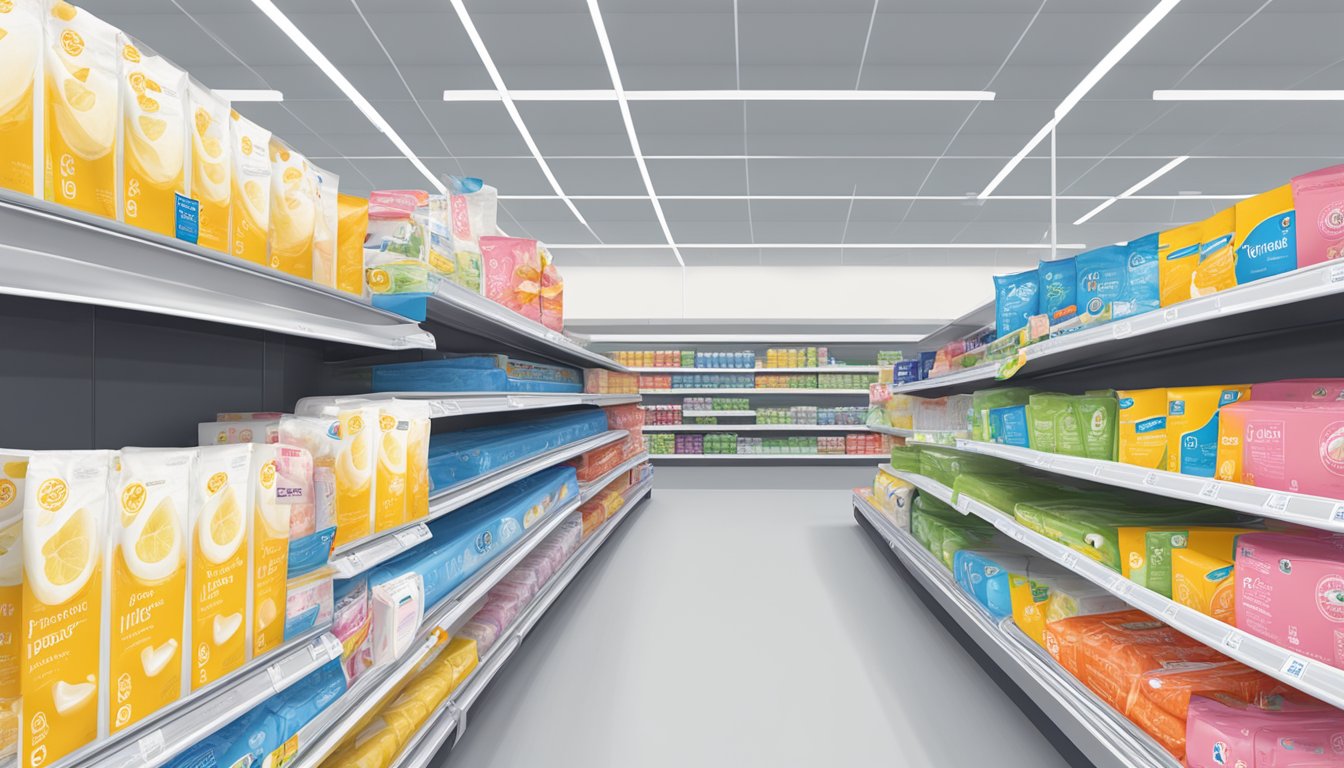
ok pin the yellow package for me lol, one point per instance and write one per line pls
(250, 196)
(270, 547)
(1143, 427)
(1203, 582)
(1266, 241)
(390, 492)
(1216, 270)
(13, 468)
(1231, 434)
(1177, 257)
(148, 582)
(81, 111)
(65, 512)
(293, 211)
(351, 227)
(1192, 426)
(1029, 600)
(154, 138)
(326, 224)
(416, 413)
(21, 35)
(359, 429)
(211, 170)
(217, 633)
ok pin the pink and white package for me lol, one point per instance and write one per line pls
(1221, 732)
(1290, 591)
(1319, 199)
(484, 633)
(511, 274)
(1297, 447)
(1299, 390)
(352, 624)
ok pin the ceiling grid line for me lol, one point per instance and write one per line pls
(746, 145)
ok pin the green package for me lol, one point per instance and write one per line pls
(944, 537)
(986, 400)
(1098, 418)
(1005, 492)
(945, 464)
(957, 538)
(1092, 527)
(1154, 570)
(905, 458)
(1053, 424)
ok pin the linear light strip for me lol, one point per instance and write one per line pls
(1070, 101)
(605, 42)
(248, 94)
(846, 198)
(506, 97)
(323, 63)
(735, 94)
(789, 246)
(1276, 95)
(1149, 179)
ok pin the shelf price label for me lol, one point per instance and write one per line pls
(1150, 479)
(1335, 275)
(1232, 640)
(1121, 329)
(413, 535)
(1069, 560)
(1337, 514)
(1277, 502)
(151, 745)
(1209, 490)
(1294, 667)
(1169, 314)
(1170, 611)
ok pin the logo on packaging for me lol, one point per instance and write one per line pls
(72, 43)
(247, 144)
(1220, 753)
(216, 482)
(7, 493)
(1332, 447)
(1331, 220)
(268, 475)
(130, 53)
(483, 541)
(387, 423)
(133, 498)
(52, 494)
(356, 424)
(6, 6)
(1330, 598)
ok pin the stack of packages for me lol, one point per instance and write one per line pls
(592, 465)
(600, 381)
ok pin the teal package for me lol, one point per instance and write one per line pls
(1269, 249)
(1103, 279)
(1016, 298)
(1144, 290)
(1058, 289)
(1199, 448)
(1008, 426)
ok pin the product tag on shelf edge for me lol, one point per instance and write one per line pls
(151, 744)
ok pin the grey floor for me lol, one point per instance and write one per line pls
(744, 628)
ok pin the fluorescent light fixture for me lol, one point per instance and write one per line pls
(245, 94)
(323, 63)
(1104, 66)
(804, 246)
(757, 338)
(847, 198)
(605, 42)
(721, 95)
(1282, 95)
(502, 92)
(1149, 179)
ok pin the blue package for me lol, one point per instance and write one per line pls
(455, 457)
(475, 373)
(926, 361)
(905, 371)
(1058, 289)
(310, 552)
(1103, 279)
(1145, 290)
(1015, 300)
(1008, 426)
(1270, 247)
(983, 574)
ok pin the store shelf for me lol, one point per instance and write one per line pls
(589, 490)
(448, 723)
(1313, 677)
(813, 369)
(725, 414)
(823, 457)
(458, 310)
(937, 436)
(1315, 511)
(753, 428)
(1107, 738)
(170, 731)
(756, 391)
(320, 737)
(445, 404)
(357, 557)
(1293, 300)
(53, 252)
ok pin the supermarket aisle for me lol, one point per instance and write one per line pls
(745, 628)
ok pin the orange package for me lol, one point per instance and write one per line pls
(598, 462)
(1162, 697)
(1109, 652)
(594, 515)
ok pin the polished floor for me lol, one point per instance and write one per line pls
(744, 628)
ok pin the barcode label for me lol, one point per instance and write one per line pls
(1169, 611)
(1294, 667)
(1150, 478)
(1336, 274)
(151, 744)
(1209, 491)
(1122, 329)
(1169, 314)
(1276, 501)
(1069, 560)
(1337, 514)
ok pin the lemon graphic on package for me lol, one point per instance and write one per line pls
(85, 98)
(152, 544)
(392, 457)
(354, 468)
(67, 556)
(221, 528)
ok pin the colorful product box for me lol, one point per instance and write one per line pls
(1319, 197)
(512, 274)
(1143, 427)
(1297, 447)
(1290, 591)
(1266, 240)
(1192, 426)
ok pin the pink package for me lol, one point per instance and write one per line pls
(1221, 732)
(1290, 591)
(352, 624)
(511, 274)
(1299, 390)
(484, 633)
(1297, 447)
(1319, 199)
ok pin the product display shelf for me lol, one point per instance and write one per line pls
(753, 428)
(448, 723)
(813, 369)
(822, 457)
(161, 736)
(724, 414)
(1252, 312)
(358, 556)
(54, 252)
(1107, 738)
(446, 404)
(458, 310)
(933, 436)
(591, 489)
(332, 726)
(1300, 508)
(1307, 675)
(757, 391)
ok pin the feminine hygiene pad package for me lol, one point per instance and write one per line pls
(1143, 292)
(1290, 446)
(1290, 591)
(1143, 427)
(1016, 299)
(1319, 197)
(1178, 254)
(1216, 270)
(456, 457)
(1224, 731)
(1058, 289)
(1161, 701)
(473, 373)
(1266, 235)
(1192, 426)
(1103, 279)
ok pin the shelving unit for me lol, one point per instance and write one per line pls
(863, 393)
(447, 404)
(1107, 739)
(753, 428)
(817, 457)
(767, 371)
(725, 414)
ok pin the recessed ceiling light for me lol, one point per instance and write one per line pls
(721, 95)
(244, 94)
(1149, 179)
(1252, 95)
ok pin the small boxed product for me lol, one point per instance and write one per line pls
(1290, 591)
(1296, 447)
(1319, 197)
(1266, 235)
(1192, 426)
(263, 431)
(1143, 427)
(512, 274)
(398, 607)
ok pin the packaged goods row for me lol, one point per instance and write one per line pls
(802, 415)
(799, 381)
(715, 443)
(774, 357)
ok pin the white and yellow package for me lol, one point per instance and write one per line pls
(13, 468)
(148, 558)
(351, 228)
(359, 427)
(80, 139)
(1177, 257)
(217, 633)
(154, 138)
(65, 517)
(250, 198)
(416, 412)
(210, 167)
(270, 547)
(390, 474)
(1143, 427)
(21, 35)
(326, 189)
(1217, 266)
(293, 211)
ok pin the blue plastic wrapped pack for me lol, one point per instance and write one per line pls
(1015, 300)
(1058, 289)
(260, 736)
(1009, 426)
(465, 540)
(926, 361)
(475, 373)
(1144, 293)
(455, 457)
(983, 574)
(1103, 279)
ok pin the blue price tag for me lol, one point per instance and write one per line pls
(188, 218)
